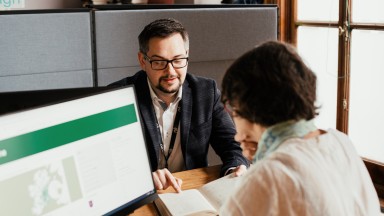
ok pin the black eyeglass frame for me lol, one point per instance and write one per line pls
(167, 62)
(230, 109)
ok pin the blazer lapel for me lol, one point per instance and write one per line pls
(147, 113)
(186, 114)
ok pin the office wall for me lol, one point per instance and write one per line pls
(217, 37)
(55, 49)
(45, 51)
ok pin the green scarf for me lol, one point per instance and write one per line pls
(275, 135)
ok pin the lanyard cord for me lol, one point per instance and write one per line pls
(173, 138)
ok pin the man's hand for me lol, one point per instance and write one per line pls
(239, 170)
(163, 179)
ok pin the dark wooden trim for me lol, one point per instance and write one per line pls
(376, 171)
(343, 71)
(317, 24)
(367, 26)
(285, 20)
(293, 22)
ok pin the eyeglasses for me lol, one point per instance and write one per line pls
(230, 109)
(162, 64)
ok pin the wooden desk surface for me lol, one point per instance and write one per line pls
(191, 179)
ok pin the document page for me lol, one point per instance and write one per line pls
(216, 192)
(188, 202)
(206, 200)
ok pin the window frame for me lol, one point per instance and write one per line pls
(288, 25)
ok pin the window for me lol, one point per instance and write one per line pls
(342, 41)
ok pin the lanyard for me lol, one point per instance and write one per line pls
(173, 137)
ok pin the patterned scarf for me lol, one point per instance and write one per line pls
(275, 135)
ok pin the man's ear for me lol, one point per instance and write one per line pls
(141, 58)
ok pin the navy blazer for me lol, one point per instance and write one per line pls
(203, 121)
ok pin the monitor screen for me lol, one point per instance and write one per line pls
(80, 157)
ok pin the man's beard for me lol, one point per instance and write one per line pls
(161, 88)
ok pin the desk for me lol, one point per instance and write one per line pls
(191, 179)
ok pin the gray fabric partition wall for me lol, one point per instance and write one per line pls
(45, 50)
(217, 37)
(56, 49)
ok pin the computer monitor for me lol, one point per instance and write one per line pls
(80, 157)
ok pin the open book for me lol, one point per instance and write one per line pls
(205, 200)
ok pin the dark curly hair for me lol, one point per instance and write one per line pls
(271, 84)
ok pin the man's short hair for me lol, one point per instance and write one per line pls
(162, 28)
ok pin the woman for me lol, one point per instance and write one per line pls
(297, 168)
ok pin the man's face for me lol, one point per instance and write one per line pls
(168, 80)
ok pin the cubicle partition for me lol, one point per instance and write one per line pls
(71, 50)
(49, 49)
(56, 49)
(217, 37)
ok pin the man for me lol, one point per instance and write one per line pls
(182, 114)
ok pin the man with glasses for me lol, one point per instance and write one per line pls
(182, 114)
